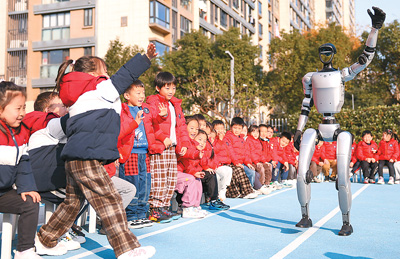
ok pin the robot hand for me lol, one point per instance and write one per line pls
(378, 18)
(297, 139)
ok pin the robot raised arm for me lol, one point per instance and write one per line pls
(368, 54)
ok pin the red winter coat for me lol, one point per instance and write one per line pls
(365, 151)
(190, 163)
(291, 154)
(279, 154)
(37, 120)
(255, 148)
(237, 148)
(353, 152)
(317, 154)
(329, 150)
(388, 150)
(221, 152)
(157, 132)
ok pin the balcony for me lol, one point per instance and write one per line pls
(160, 28)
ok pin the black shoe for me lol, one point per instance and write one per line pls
(333, 178)
(168, 212)
(305, 222)
(346, 230)
(326, 179)
(78, 230)
(157, 216)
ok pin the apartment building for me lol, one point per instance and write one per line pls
(341, 12)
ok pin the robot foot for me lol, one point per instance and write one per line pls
(305, 222)
(346, 230)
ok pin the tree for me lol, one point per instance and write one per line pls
(202, 69)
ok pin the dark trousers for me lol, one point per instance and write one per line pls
(28, 212)
(365, 166)
(382, 163)
(210, 187)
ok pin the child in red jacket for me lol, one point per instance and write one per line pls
(317, 162)
(163, 138)
(388, 152)
(280, 160)
(258, 159)
(366, 153)
(329, 157)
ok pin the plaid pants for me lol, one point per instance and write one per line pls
(88, 179)
(240, 183)
(163, 178)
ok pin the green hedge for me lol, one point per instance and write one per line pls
(375, 119)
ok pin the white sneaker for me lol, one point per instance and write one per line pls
(397, 182)
(192, 212)
(251, 195)
(27, 254)
(265, 190)
(59, 249)
(142, 252)
(68, 242)
(381, 181)
(76, 237)
(391, 180)
(277, 185)
(222, 195)
(287, 184)
(200, 210)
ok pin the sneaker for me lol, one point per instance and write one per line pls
(316, 180)
(156, 216)
(380, 180)
(332, 178)
(59, 249)
(277, 185)
(147, 222)
(204, 212)
(135, 224)
(391, 180)
(193, 213)
(68, 242)
(27, 254)
(142, 252)
(173, 215)
(251, 195)
(326, 178)
(218, 205)
(78, 229)
(76, 237)
(397, 182)
(366, 180)
(287, 184)
(371, 180)
(265, 190)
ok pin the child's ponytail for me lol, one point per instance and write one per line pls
(61, 72)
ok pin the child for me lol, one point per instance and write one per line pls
(92, 131)
(253, 144)
(388, 152)
(162, 138)
(267, 141)
(317, 162)
(50, 102)
(329, 157)
(132, 145)
(280, 161)
(240, 185)
(367, 153)
(202, 121)
(23, 201)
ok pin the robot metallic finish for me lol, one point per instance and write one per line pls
(325, 89)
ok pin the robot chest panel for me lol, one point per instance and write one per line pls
(328, 91)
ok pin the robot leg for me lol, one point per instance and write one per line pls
(304, 176)
(344, 141)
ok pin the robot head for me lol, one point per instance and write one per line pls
(326, 52)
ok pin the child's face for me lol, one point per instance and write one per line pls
(167, 91)
(220, 129)
(263, 132)
(244, 130)
(212, 136)
(207, 130)
(202, 140)
(14, 112)
(203, 125)
(387, 137)
(255, 134)
(367, 138)
(135, 96)
(237, 129)
(284, 142)
(270, 133)
(193, 128)
(56, 106)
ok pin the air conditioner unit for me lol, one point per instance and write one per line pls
(22, 80)
(14, 44)
(23, 44)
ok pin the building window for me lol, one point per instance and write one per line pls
(87, 51)
(174, 27)
(203, 31)
(186, 25)
(224, 19)
(260, 29)
(187, 4)
(159, 14)
(56, 26)
(88, 17)
(124, 21)
(235, 3)
(23, 25)
(269, 37)
(160, 48)
(216, 13)
(261, 51)
(51, 60)
(236, 23)
(259, 8)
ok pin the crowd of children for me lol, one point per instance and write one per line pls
(129, 160)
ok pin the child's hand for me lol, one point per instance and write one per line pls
(274, 164)
(183, 151)
(286, 165)
(35, 196)
(210, 170)
(163, 110)
(321, 163)
(221, 135)
(139, 117)
(351, 164)
(373, 160)
(199, 175)
(239, 165)
(167, 142)
(391, 160)
(151, 51)
(250, 166)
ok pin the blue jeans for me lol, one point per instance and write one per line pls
(251, 174)
(279, 170)
(139, 205)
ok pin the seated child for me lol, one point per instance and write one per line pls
(280, 161)
(317, 162)
(388, 152)
(328, 154)
(366, 153)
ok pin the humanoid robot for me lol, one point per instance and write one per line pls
(325, 90)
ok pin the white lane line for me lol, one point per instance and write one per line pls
(303, 237)
(97, 250)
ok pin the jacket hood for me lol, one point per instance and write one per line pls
(37, 120)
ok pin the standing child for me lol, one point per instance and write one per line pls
(15, 169)
(163, 138)
(92, 131)
(388, 152)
